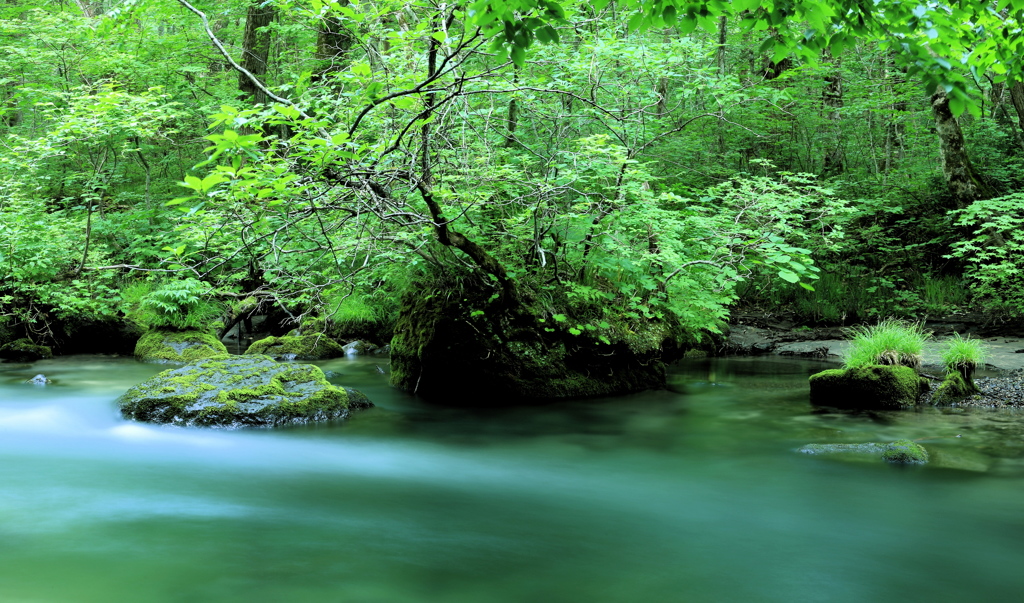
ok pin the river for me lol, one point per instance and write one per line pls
(693, 494)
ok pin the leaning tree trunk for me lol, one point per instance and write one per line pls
(965, 184)
(256, 48)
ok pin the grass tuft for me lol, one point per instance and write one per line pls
(963, 355)
(890, 342)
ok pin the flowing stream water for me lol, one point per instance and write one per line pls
(688, 495)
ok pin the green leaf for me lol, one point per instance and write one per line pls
(789, 276)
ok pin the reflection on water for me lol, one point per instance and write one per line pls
(692, 494)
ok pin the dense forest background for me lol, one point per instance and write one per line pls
(611, 175)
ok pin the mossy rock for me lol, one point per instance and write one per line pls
(298, 347)
(23, 350)
(954, 388)
(240, 391)
(898, 452)
(178, 346)
(868, 387)
(905, 452)
(459, 344)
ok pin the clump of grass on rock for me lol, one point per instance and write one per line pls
(889, 343)
(963, 355)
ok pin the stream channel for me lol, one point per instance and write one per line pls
(688, 495)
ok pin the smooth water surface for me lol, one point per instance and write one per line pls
(694, 494)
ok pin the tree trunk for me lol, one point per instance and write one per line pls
(832, 103)
(333, 42)
(256, 48)
(894, 130)
(1017, 98)
(964, 182)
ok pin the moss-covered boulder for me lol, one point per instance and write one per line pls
(954, 388)
(460, 344)
(239, 391)
(23, 350)
(178, 346)
(298, 347)
(905, 452)
(868, 387)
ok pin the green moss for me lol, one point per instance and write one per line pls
(905, 451)
(23, 350)
(300, 347)
(869, 386)
(953, 389)
(178, 346)
(261, 392)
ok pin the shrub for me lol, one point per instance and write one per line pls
(180, 305)
(890, 342)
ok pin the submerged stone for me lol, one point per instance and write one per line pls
(900, 451)
(23, 350)
(178, 346)
(868, 387)
(298, 347)
(39, 379)
(905, 452)
(239, 391)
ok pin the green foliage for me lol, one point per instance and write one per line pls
(994, 251)
(963, 355)
(890, 342)
(182, 305)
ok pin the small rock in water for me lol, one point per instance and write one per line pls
(39, 379)
(289, 357)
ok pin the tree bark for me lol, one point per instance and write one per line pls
(334, 41)
(832, 103)
(965, 184)
(256, 48)
(1017, 98)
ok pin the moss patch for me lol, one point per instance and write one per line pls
(298, 347)
(906, 452)
(237, 391)
(953, 389)
(178, 346)
(23, 350)
(868, 387)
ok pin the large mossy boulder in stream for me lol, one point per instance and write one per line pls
(870, 386)
(462, 345)
(178, 346)
(23, 350)
(316, 346)
(240, 391)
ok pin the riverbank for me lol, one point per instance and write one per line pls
(1001, 380)
(753, 334)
